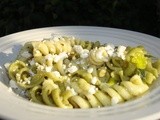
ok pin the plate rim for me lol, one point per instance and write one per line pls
(84, 27)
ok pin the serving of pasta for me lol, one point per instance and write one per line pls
(67, 72)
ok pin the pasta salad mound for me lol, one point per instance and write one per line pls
(67, 72)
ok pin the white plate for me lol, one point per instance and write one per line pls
(15, 107)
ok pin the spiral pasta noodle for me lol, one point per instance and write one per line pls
(71, 73)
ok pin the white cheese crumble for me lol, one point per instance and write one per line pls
(56, 73)
(48, 69)
(72, 69)
(99, 54)
(49, 57)
(82, 61)
(31, 62)
(120, 51)
(84, 55)
(78, 48)
(90, 70)
(40, 67)
(114, 100)
(94, 80)
(37, 51)
(9, 89)
(110, 49)
(82, 52)
(98, 106)
(92, 89)
(13, 84)
(56, 38)
(61, 56)
(72, 90)
(6, 65)
(26, 54)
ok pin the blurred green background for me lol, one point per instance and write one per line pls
(137, 15)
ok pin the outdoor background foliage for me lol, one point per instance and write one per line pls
(137, 15)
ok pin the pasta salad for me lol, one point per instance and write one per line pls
(67, 72)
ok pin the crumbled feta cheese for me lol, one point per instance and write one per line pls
(110, 49)
(98, 106)
(78, 48)
(26, 54)
(56, 38)
(61, 56)
(40, 67)
(114, 100)
(120, 51)
(56, 58)
(6, 65)
(68, 88)
(72, 69)
(82, 61)
(32, 62)
(9, 89)
(94, 80)
(28, 82)
(84, 53)
(92, 89)
(56, 73)
(36, 64)
(99, 54)
(48, 69)
(13, 84)
(49, 57)
(37, 52)
(72, 90)
(90, 70)
(85, 50)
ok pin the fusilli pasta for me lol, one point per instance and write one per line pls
(71, 73)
